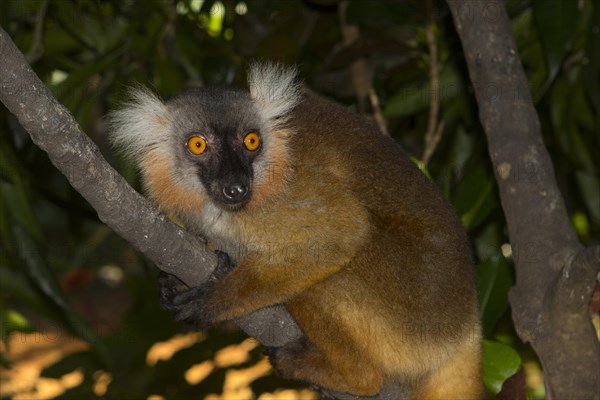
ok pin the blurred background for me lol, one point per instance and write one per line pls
(79, 315)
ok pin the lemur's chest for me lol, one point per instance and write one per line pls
(290, 216)
(293, 225)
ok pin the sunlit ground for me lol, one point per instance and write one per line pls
(30, 353)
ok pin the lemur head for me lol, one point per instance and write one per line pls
(212, 144)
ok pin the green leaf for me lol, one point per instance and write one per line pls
(416, 96)
(15, 284)
(494, 280)
(71, 21)
(168, 78)
(589, 185)
(581, 224)
(381, 13)
(421, 166)
(57, 42)
(31, 255)
(40, 272)
(462, 149)
(17, 321)
(531, 52)
(77, 81)
(556, 21)
(14, 194)
(570, 114)
(591, 70)
(500, 362)
(10, 321)
(473, 198)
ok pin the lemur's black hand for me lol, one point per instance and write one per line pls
(190, 304)
(223, 268)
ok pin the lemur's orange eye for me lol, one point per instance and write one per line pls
(252, 141)
(196, 145)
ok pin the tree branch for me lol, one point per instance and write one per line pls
(555, 276)
(172, 249)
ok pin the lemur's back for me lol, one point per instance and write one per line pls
(406, 301)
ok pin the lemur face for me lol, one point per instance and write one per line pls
(219, 133)
(209, 145)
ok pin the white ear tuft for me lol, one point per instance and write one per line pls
(141, 125)
(275, 90)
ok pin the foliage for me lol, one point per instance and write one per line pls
(89, 51)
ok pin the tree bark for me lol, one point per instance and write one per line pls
(555, 275)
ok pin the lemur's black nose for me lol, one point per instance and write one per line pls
(235, 193)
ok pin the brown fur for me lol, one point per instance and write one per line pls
(272, 179)
(371, 261)
(172, 196)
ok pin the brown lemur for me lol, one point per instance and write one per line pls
(321, 212)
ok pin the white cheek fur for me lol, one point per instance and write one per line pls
(142, 124)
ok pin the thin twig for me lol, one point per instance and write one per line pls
(360, 76)
(434, 129)
(37, 45)
(377, 114)
(432, 142)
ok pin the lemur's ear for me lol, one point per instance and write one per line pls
(141, 124)
(274, 89)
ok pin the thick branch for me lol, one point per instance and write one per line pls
(544, 242)
(173, 250)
